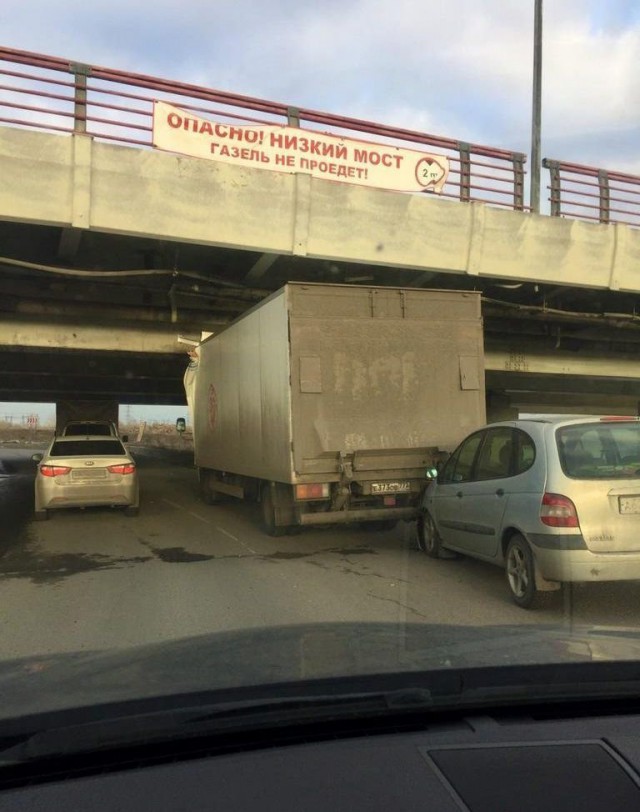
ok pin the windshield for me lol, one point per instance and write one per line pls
(340, 311)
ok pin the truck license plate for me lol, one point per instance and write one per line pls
(391, 487)
(629, 504)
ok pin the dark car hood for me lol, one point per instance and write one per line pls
(286, 654)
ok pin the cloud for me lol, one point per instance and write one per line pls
(460, 69)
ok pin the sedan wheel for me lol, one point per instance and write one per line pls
(521, 572)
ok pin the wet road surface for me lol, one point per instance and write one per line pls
(96, 579)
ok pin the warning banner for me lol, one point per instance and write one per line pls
(292, 149)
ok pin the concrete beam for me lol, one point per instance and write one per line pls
(574, 402)
(515, 383)
(259, 269)
(79, 336)
(526, 363)
(194, 200)
(69, 243)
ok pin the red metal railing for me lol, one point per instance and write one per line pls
(54, 94)
(50, 93)
(589, 193)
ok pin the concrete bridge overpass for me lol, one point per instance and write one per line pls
(110, 249)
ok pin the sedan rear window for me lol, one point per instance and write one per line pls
(604, 450)
(87, 448)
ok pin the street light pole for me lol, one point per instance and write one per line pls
(536, 113)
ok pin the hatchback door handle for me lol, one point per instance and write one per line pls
(500, 492)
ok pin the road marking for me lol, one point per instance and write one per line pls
(202, 519)
(227, 533)
(217, 526)
(235, 538)
(190, 512)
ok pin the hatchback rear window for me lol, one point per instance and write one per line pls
(603, 450)
(87, 448)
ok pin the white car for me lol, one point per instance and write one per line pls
(85, 471)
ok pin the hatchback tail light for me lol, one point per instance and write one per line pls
(54, 470)
(125, 468)
(558, 511)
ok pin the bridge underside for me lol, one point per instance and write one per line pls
(549, 348)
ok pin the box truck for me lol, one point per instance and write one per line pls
(327, 403)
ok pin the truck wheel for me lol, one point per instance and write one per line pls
(520, 568)
(269, 514)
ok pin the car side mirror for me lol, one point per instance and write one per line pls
(181, 425)
(37, 457)
(431, 474)
(125, 438)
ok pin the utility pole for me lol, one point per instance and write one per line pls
(536, 113)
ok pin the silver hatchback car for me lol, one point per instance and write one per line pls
(551, 500)
(83, 472)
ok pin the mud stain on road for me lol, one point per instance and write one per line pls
(174, 555)
(50, 568)
(281, 555)
(178, 555)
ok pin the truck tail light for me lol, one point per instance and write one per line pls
(315, 491)
(125, 468)
(54, 470)
(558, 511)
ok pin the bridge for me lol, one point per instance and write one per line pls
(111, 248)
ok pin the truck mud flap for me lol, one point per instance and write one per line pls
(364, 515)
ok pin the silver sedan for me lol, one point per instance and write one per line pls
(83, 472)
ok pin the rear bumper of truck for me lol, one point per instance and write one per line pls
(359, 515)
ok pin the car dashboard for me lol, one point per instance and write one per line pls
(546, 758)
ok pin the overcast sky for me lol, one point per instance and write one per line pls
(457, 68)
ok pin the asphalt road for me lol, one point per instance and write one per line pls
(96, 579)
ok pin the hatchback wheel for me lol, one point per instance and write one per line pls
(41, 515)
(520, 569)
(428, 537)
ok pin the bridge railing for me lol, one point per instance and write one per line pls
(589, 193)
(54, 94)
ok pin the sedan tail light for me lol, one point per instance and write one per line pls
(558, 511)
(125, 468)
(54, 470)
